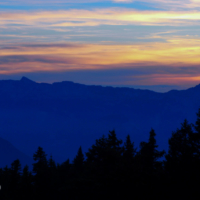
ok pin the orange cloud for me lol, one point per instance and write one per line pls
(150, 60)
(175, 52)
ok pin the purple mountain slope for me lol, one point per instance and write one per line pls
(62, 116)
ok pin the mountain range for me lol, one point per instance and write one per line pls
(63, 116)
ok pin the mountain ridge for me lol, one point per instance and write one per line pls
(64, 115)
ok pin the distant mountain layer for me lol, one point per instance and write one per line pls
(62, 116)
(8, 153)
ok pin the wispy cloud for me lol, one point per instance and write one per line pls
(164, 44)
(99, 17)
(175, 4)
(177, 52)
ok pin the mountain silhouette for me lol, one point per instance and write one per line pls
(64, 115)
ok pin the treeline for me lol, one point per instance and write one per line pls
(112, 169)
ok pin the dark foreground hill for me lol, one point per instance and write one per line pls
(62, 116)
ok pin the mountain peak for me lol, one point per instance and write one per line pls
(26, 80)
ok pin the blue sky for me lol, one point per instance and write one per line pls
(150, 44)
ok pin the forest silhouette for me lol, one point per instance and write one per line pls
(112, 169)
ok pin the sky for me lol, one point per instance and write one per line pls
(146, 44)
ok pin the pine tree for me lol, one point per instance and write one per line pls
(180, 145)
(149, 154)
(113, 142)
(104, 163)
(129, 151)
(97, 152)
(78, 161)
(77, 180)
(52, 178)
(40, 168)
(147, 165)
(41, 159)
(129, 176)
(182, 161)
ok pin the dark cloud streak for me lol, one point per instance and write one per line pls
(43, 46)
(33, 58)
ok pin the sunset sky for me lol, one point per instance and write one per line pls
(147, 44)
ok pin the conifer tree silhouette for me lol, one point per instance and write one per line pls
(182, 161)
(128, 177)
(77, 181)
(104, 163)
(95, 165)
(52, 177)
(78, 161)
(129, 151)
(149, 154)
(148, 164)
(41, 159)
(113, 142)
(181, 149)
(40, 168)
